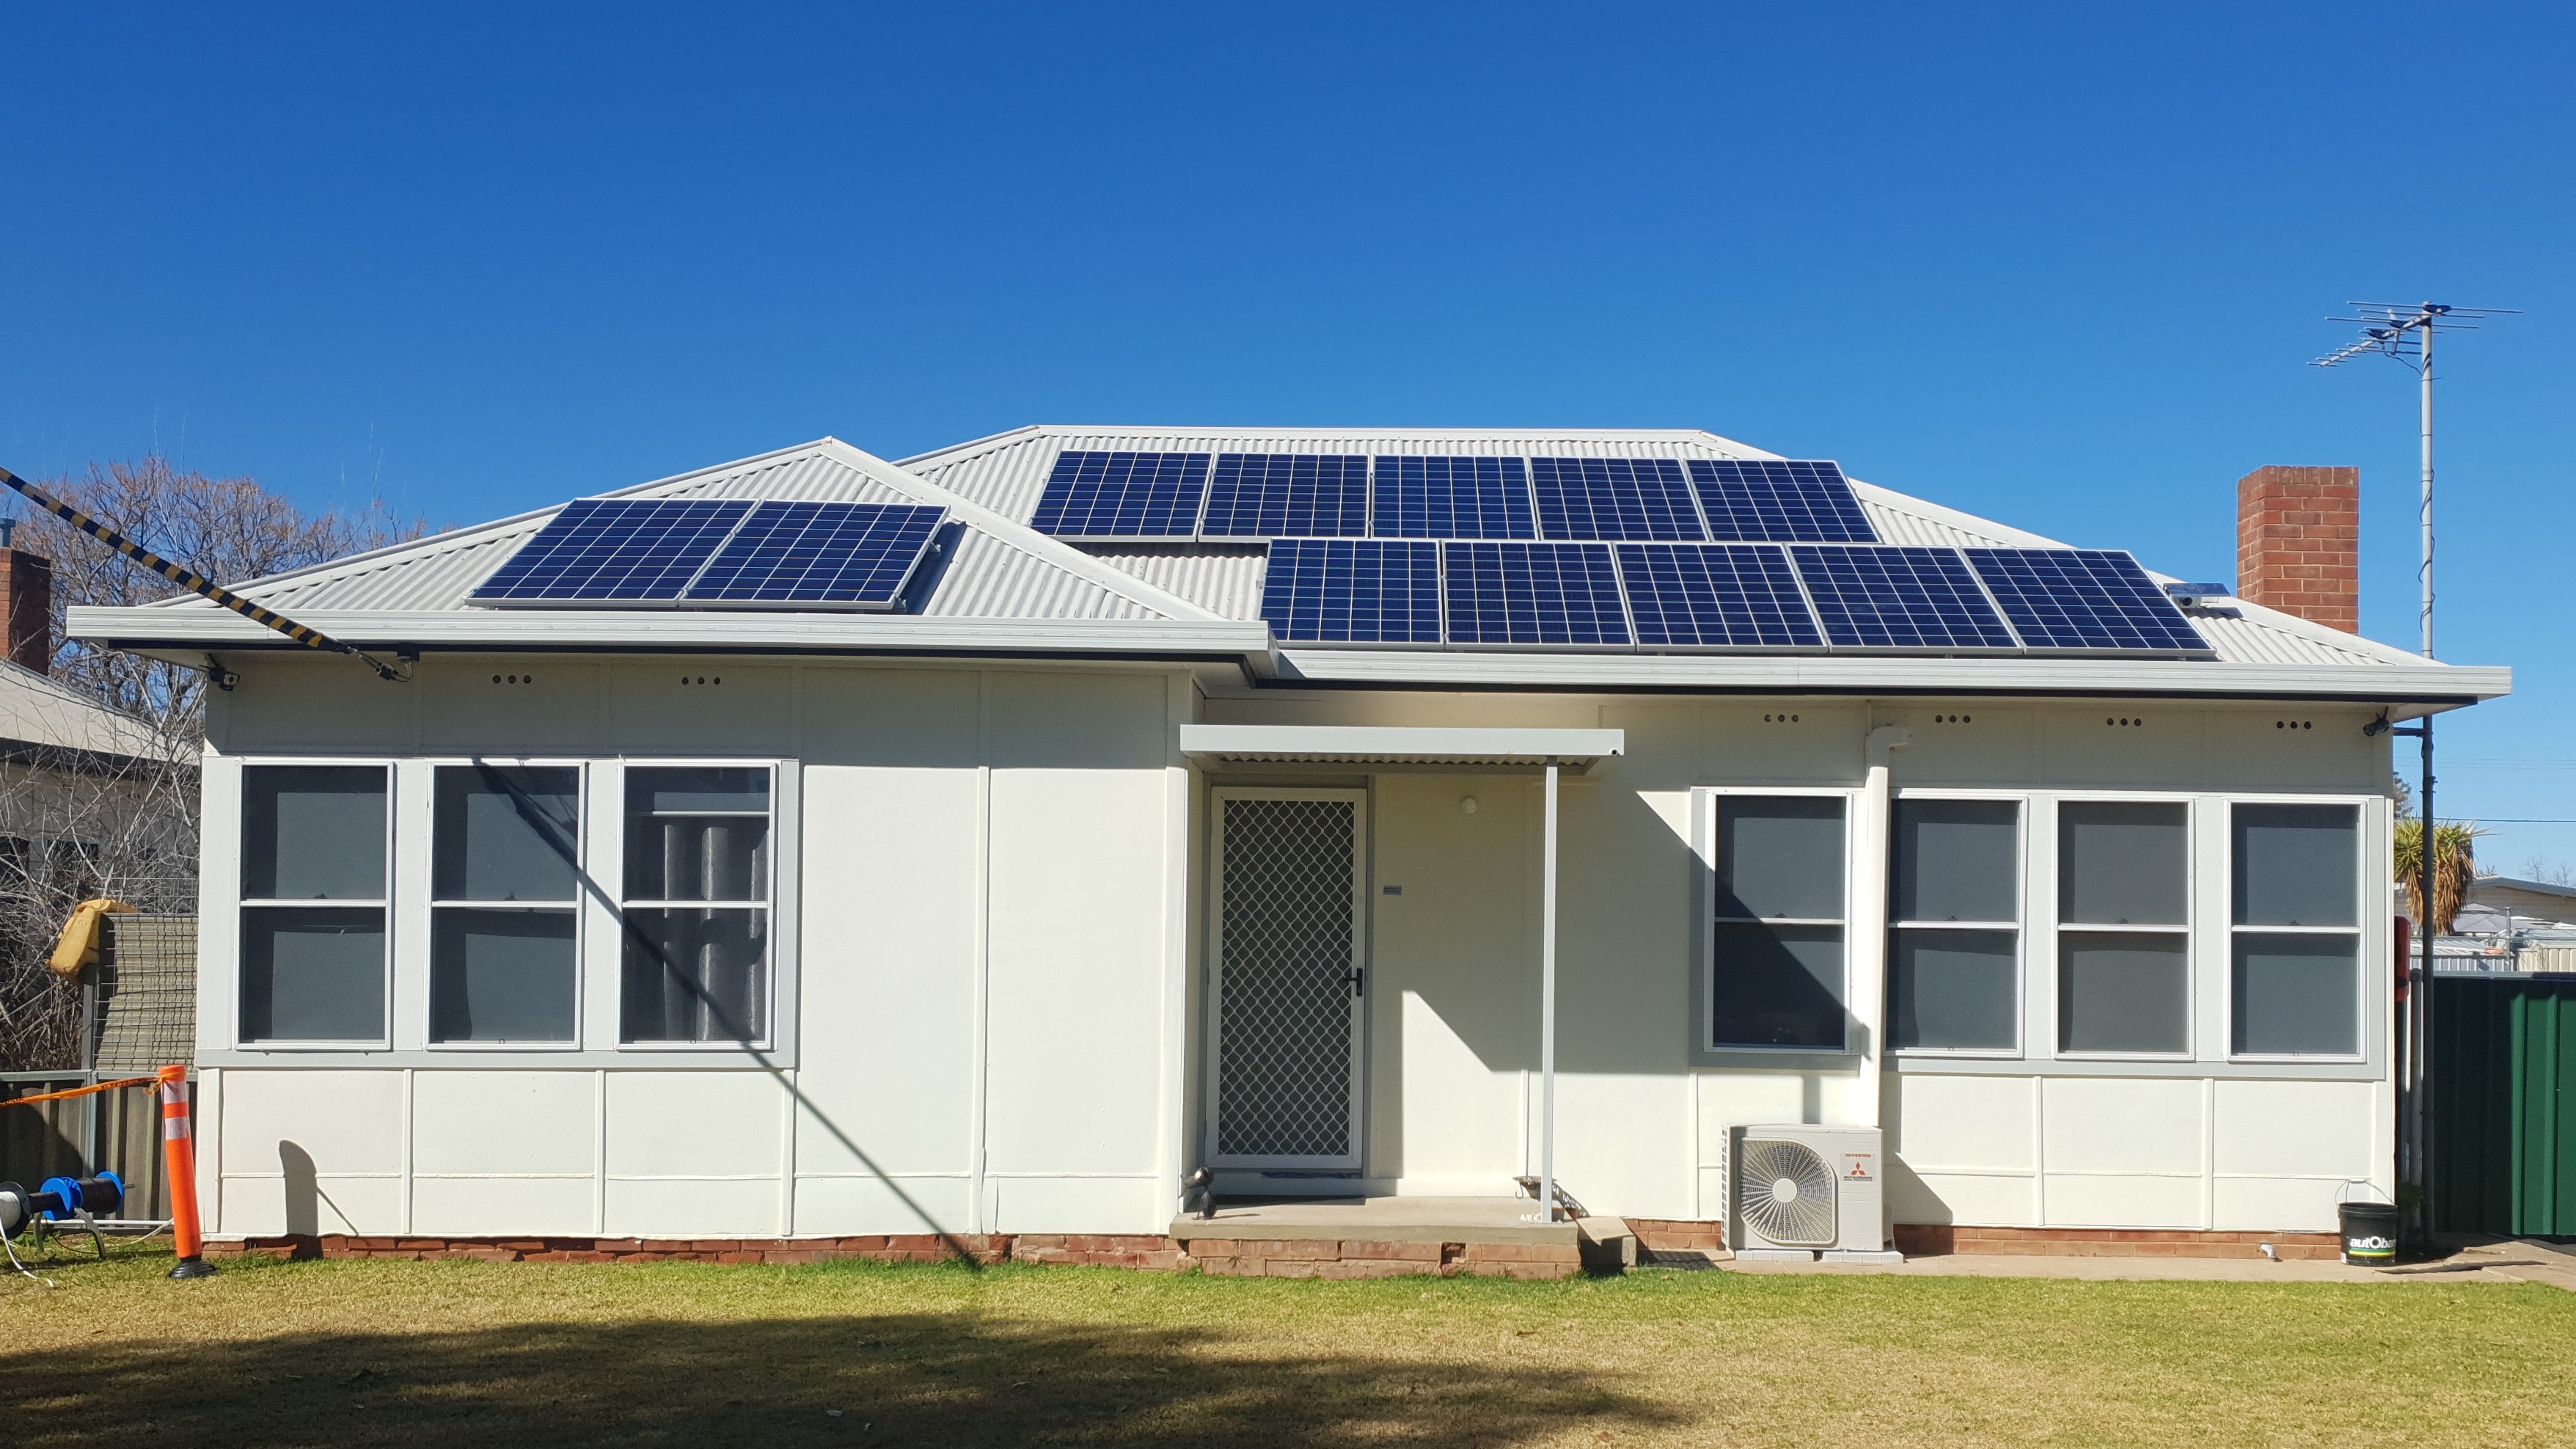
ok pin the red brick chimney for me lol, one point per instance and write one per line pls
(27, 603)
(2298, 536)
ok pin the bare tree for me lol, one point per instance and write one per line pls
(113, 811)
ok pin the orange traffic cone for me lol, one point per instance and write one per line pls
(179, 1154)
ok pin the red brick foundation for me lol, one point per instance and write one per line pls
(1291, 1258)
(1924, 1240)
(1677, 1239)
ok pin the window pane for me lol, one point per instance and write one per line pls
(1778, 986)
(311, 974)
(2122, 991)
(2121, 864)
(1953, 989)
(1780, 856)
(2296, 994)
(313, 832)
(694, 975)
(2296, 864)
(506, 833)
(698, 789)
(1957, 860)
(501, 976)
(679, 849)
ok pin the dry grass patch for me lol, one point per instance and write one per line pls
(450, 1354)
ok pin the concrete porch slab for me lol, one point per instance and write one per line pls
(1379, 1219)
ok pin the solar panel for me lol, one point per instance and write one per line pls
(1352, 591)
(613, 550)
(1532, 593)
(2083, 598)
(1779, 500)
(1739, 594)
(1123, 495)
(845, 555)
(1451, 498)
(1899, 598)
(1287, 495)
(1634, 498)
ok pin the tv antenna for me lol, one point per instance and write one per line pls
(2404, 331)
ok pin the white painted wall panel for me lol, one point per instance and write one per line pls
(650, 711)
(345, 1121)
(1622, 1144)
(843, 1206)
(1970, 1198)
(2083, 1200)
(505, 1122)
(693, 1208)
(2121, 1124)
(1078, 1205)
(2296, 1129)
(1460, 1117)
(2283, 1204)
(1987, 1123)
(695, 1124)
(503, 1206)
(892, 870)
(266, 1205)
(513, 706)
(1077, 970)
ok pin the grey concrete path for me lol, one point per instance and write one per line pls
(2496, 1261)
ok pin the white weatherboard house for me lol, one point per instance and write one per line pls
(818, 847)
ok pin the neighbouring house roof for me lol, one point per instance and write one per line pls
(1008, 588)
(39, 711)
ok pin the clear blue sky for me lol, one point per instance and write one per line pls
(2057, 266)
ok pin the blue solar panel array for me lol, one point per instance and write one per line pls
(717, 553)
(1778, 500)
(2082, 598)
(1735, 596)
(1622, 498)
(1451, 498)
(1123, 495)
(1899, 598)
(855, 555)
(1353, 591)
(1177, 497)
(616, 550)
(1531, 593)
(1698, 595)
(1287, 495)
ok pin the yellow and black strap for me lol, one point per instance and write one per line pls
(193, 581)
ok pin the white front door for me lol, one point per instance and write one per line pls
(1291, 978)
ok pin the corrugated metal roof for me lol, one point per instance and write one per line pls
(1000, 569)
(1225, 581)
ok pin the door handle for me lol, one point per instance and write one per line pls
(1358, 977)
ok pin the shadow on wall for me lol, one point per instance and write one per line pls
(913, 1378)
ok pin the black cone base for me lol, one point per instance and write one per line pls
(193, 1268)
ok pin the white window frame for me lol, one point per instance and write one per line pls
(1704, 815)
(608, 834)
(2189, 930)
(2024, 808)
(424, 931)
(2357, 931)
(242, 905)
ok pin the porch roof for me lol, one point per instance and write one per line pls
(1399, 745)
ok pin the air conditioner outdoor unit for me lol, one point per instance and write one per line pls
(1796, 1191)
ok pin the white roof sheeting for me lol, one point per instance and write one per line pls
(1001, 572)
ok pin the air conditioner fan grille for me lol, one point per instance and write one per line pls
(1785, 1193)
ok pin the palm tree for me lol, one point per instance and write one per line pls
(2454, 868)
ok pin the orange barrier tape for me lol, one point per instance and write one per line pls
(81, 1091)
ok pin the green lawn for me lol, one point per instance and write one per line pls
(538, 1355)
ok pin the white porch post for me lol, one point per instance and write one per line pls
(1867, 951)
(1547, 1010)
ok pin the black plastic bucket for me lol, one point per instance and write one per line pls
(2369, 1233)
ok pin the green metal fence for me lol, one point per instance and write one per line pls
(2504, 1104)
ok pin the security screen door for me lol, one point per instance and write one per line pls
(1290, 979)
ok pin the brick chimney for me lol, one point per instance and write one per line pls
(2298, 536)
(27, 602)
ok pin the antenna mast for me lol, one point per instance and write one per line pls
(2406, 333)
